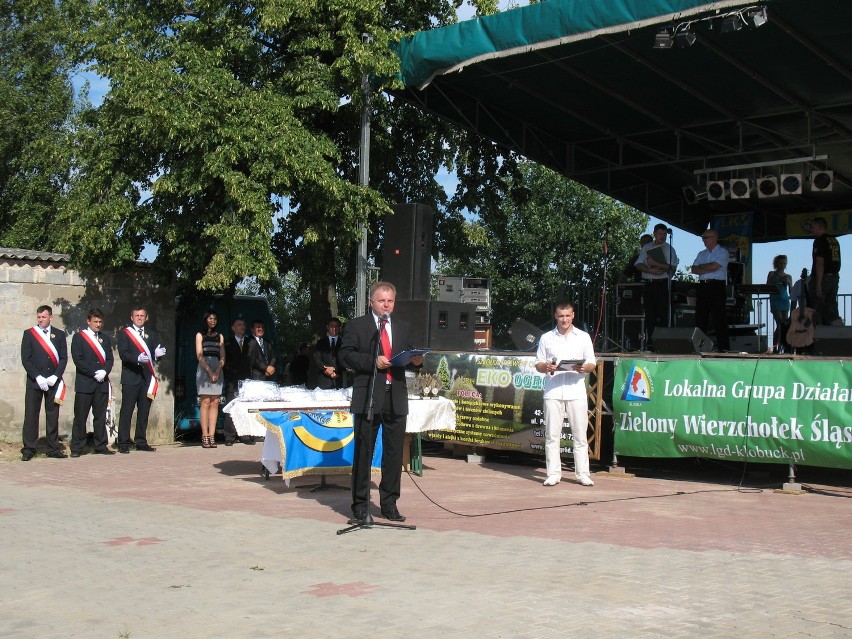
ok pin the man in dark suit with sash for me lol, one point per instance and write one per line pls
(91, 351)
(44, 354)
(361, 338)
(138, 349)
(236, 369)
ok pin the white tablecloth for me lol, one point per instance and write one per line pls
(423, 415)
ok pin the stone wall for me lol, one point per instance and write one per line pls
(29, 279)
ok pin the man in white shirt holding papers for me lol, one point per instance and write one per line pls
(566, 356)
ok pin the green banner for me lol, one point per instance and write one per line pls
(769, 411)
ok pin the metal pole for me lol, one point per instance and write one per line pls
(363, 180)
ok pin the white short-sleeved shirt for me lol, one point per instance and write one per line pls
(720, 255)
(575, 344)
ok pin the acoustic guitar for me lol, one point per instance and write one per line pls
(801, 331)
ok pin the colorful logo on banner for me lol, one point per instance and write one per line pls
(316, 442)
(637, 386)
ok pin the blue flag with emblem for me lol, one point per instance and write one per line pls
(316, 442)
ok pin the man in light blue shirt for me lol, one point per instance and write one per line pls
(711, 267)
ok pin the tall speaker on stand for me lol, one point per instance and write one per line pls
(407, 251)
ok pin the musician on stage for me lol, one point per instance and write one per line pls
(658, 263)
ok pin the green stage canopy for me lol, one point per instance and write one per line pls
(655, 102)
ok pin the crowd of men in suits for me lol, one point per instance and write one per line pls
(44, 355)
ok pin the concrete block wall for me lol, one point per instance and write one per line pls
(28, 280)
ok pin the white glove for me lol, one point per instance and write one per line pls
(42, 383)
(143, 358)
(52, 380)
(99, 375)
(159, 351)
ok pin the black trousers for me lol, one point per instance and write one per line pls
(83, 403)
(657, 305)
(33, 399)
(710, 302)
(393, 438)
(133, 398)
(229, 429)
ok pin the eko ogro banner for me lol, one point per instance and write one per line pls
(770, 411)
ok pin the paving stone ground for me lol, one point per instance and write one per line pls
(190, 542)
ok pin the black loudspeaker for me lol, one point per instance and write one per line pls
(407, 256)
(525, 335)
(441, 326)
(680, 341)
(629, 300)
(833, 341)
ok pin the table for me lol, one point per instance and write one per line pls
(424, 415)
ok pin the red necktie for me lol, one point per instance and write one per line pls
(386, 345)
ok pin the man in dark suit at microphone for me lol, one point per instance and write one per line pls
(367, 346)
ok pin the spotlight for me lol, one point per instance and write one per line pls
(822, 180)
(693, 195)
(684, 38)
(717, 190)
(664, 39)
(733, 22)
(767, 186)
(740, 188)
(758, 17)
(791, 183)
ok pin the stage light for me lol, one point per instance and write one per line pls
(767, 186)
(717, 190)
(791, 183)
(740, 188)
(693, 195)
(664, 39)
(822, 180)
(684, 38)
(758, 17)
(733, 22)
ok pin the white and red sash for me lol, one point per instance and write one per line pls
(140, 344)
(95, 345)
(53, 354)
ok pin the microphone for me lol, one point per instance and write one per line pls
(669, 231)
(553, 361)
(385, 317)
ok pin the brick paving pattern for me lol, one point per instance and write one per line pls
(190, 542)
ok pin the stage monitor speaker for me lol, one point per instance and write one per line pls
(407, 255)
(629, 300)
(525, 335)
(833, 341)
(680, 341)
(441, 326)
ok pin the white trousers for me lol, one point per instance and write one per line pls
(577, 413)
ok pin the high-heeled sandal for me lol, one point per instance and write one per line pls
(211, 442)
(204, 443)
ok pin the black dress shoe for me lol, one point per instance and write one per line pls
(124, 449)
(74, 454)
(104, 451)
(393, 515)
(27, 455)
(145, 448)
(248, 441)
(57, 454)
(228, 442)
(358, 517)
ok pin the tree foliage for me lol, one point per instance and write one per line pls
(542, 234)
(36, 105)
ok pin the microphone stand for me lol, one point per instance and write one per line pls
(669, 310)
(368, 522)
(604, 337)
